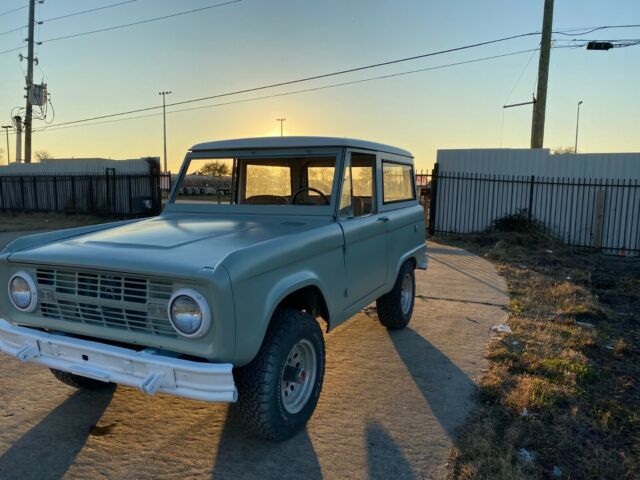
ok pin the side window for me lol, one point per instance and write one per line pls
(397, 182)
(358, 186)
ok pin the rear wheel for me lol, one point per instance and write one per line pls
(76, 381)
(278, 391)
(396, 307)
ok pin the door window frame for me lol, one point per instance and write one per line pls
(375, 201)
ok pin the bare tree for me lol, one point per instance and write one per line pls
(215, 169)
(43, 155)
(562, 150)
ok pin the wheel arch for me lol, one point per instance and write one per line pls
(407, 257)
(301, 291)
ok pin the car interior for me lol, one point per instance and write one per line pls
(301, 180)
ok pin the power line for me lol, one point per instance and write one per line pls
(12, 50)
(570, 31)
(82, 12)
(305, 79)
(520, 76)
(115, 27)
(12, 10)
(297, 92)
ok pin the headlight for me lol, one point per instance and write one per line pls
(189, 313)
(22, 292)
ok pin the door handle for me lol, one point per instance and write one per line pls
(383, 219)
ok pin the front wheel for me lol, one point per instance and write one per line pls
(396, 307)
(279, 389)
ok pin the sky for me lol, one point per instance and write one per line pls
(259, 42)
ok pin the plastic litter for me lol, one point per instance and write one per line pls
(557, 472)
(586, 324)
(501, 328)
(526, 456)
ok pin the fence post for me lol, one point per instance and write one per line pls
(35, 193)
(130, 195)
(433, 200)
(92, 204)
(107, 192)
(55, 192)
(531, 185)
(22, 204)
(73, 193)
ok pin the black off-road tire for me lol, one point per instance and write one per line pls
(389, 306)
(79, 382)
(260, 406)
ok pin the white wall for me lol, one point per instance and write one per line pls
(476, 187)
(540, 162)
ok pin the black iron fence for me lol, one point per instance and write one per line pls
(109, 194)
(586, 213)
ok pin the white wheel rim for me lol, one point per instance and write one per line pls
(406, 293)
(302, 362)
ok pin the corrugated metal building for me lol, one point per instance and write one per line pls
(589, 200)
(540, 162)
(83, 166)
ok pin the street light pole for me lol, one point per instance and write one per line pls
(164, 125)
(6, 129)
(575, 148)
(281, 120)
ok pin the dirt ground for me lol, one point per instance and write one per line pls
(561, 397)
(389, 407)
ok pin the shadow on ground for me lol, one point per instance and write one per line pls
(57, 439)
(242, 457)
(446, 388)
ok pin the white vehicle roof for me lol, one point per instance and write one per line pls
(298, 142)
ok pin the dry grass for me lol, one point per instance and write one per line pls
(22, 222)
(564, 385)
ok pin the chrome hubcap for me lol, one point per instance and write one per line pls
(298, 376)
(406, 293)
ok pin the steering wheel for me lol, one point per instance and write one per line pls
(309, 189)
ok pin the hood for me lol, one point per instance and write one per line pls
(173, 244)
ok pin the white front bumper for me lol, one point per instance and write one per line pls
(147, 371)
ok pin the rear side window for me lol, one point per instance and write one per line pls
(397, 182)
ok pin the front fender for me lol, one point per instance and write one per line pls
(287, 286)
(257, 314)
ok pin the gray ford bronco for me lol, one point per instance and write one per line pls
(220, 297)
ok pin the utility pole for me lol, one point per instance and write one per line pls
(29, 113)
(6, 129)
(539, 108)
(281, 120)
(164, 124)
(575, 149)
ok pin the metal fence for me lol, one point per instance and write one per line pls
(113, 195)
(585, 213)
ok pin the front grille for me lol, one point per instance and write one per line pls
(106, 299)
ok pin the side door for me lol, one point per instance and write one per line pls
(365, 231)
(399, 204)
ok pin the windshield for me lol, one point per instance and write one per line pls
(301, 180)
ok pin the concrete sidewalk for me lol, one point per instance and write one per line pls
(389, 407)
